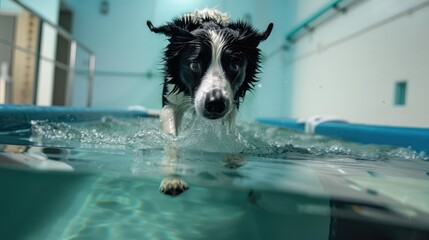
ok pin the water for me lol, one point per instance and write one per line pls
(287, 185)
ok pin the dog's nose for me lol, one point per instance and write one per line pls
(215, 104)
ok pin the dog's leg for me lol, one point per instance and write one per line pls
(171, 184)
(168, 120)
(232, 161)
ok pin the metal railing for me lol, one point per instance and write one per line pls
(70, 67)
(309, 24)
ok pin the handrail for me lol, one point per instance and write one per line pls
(123, 74)
(28, 51)
(337, 5)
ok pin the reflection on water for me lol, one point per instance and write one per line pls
(291, 185)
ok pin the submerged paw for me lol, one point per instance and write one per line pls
(234, 161)
(173, 186)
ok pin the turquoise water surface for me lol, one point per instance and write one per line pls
(288, 185)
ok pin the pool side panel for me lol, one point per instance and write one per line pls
(14, 117)
(416, 138)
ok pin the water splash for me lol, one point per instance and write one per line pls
(209, 136)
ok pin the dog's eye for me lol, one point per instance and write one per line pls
(234, 67)
(194, 66)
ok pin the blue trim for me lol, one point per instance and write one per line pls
(291, 35)
(13, 117)
(416, 138)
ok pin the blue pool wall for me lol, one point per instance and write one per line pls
(415, 138)
(15, 117)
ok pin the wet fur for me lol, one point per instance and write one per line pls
(210, 63)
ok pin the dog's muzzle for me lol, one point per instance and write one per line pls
(216, 104)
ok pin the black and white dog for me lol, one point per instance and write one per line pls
(210, 64)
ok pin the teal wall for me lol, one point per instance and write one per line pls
(123, 43)
(46, 8)
(271, 96)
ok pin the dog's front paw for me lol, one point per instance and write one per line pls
(234, 161)
(173, 186)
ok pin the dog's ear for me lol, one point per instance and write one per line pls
(248, 35)
(163, 29)
(169, 29)
(263, 36)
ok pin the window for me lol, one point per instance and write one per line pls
(400, 93)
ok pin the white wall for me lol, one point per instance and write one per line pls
(349, 65)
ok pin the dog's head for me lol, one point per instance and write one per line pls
(211, 59)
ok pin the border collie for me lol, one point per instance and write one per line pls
(210, 64)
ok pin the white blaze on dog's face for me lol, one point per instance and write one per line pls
(214, 96)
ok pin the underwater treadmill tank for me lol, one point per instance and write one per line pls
(75, 173)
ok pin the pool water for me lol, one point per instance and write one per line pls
(289, 185)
